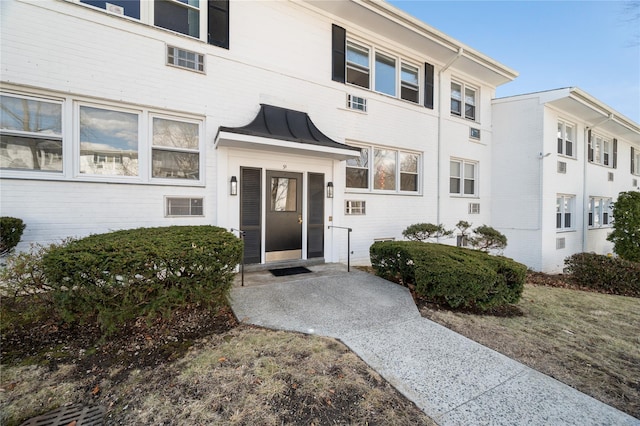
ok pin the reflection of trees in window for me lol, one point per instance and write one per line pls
(175, 152)
(408, 172)
(384, 163)
(358, 170)
(31, 134)
(283, 194)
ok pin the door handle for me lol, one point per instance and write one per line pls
(300, 219)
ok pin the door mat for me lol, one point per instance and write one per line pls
(289, 271)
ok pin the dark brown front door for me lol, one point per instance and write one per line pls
(283, 216)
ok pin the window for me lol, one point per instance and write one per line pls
(357, 103)
(564, 212)
(462, 178)
(566, 139)
(599, 212)
(635, 161)
(562, 167)
(30, 134)
(357, 65)
(354, 207)
(178, 206)
(602, 150)
(474, 133)
(185, 59)
(385, 74)
(474, 208)
(108, 142)
(103, 141)
(370, 68)
(409, 85)
(457, 89)
(390, 170)
(181, 16)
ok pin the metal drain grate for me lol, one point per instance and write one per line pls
(91, 415)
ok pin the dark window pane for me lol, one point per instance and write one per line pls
(283, 194)
(357, 178)
(358, 77)
(454, 185)
(409, 94)
(469, 186)
(569, 149)
(470, 112)
(558, 220)
(567, 220)
(30, 154)
(408, 182)
(177, 18)
(590, 219)
(131, 7)
(175, 165)
(560, 145)
(455, 107)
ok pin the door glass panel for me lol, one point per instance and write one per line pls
(283, 194)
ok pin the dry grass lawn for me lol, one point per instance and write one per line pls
(588, 340)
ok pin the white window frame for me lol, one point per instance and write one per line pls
(564, 142)
(185, 59)
(463, 177)
(602, 147)
(70, 136)
(636, 162)
(36, 173)
(147, 14)
(600, 212)
(357, 103)
(153, 147)
(355, 207)
(169, 199)
(463, 101)
(370, 149)
(565, 205)
(399, 62)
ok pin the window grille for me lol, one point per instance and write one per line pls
(185, 59)
(356, 102)
(562, 167)
(474, 208)
(178, 206)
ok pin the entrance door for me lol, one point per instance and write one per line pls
(283, 216)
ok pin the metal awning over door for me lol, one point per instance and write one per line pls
(277, 129)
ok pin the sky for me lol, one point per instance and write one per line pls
(592, 45)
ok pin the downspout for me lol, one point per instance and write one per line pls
(585, 197)
(440, 112)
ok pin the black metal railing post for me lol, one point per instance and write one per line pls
(349, 230)
(241, 236)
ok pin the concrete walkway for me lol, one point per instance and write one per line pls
(454, 380)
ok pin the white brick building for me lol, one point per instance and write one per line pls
(124, 114)
(564, 157)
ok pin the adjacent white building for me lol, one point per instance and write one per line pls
(291, 120)
(564, 157)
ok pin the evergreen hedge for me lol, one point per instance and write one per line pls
(11, 230)
(455, 276)
(126, 274)
(608, 274)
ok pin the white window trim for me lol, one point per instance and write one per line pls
(565, 124)
(636, 162)
(147, 12)
(399, 61)
(563, 212)
(598, 137)
(463, 88)
(199, 150)
(71, 142)
(476, 186)
(371, 172)
(604, 203)
(355, 208)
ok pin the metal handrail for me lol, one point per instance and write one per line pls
(349, 230)
(241, 236)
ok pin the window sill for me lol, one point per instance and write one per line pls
(567, 157)
(595, 228)
(380, 192)
(467, 197)
(564, 231)
(45, 176)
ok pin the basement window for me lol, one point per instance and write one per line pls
(186, 59)
(180, 206)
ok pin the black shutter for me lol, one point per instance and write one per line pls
(251, 213)
(633, 159)
(218, 23)
(315, 220)
(615, 153)
(338, 53)
(590, 149)
(428, 85)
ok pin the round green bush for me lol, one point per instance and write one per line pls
(11, 229)
(126, 274)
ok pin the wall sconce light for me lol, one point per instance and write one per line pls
(233, 190)
(330, 190)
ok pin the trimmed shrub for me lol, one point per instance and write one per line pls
(11, 229)
(608, 274)
(425, 231)
(454, 276)
(126, 274)
(487, 238)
